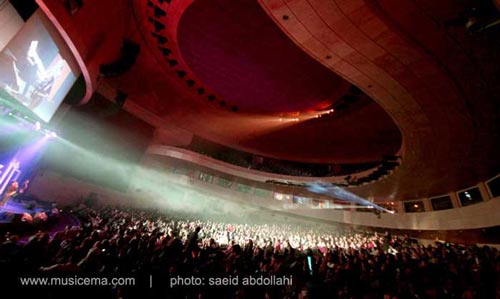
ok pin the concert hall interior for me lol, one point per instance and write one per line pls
(277, 149)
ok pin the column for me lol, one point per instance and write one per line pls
(427, 204)
(484, 191)
(454, 200)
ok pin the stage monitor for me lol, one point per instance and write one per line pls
(36, 67)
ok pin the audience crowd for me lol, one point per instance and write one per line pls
(321, 261)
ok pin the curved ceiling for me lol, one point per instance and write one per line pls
(438, 84)
(342, 136)
(430, 78)
(242, 59)
(248, 60)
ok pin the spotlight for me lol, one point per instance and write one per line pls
(181, 74)
(165, 51)
(37, 126)
(50, 134)
(158, 25)
(159, 38)
(159, 12)
(172, 62)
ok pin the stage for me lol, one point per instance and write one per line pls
(26, 215)
(12, 208)
(26, 206)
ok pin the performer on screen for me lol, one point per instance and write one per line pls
(26, 78)
(24, 69)
(44, 85)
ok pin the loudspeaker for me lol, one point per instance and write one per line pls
(129, 53)
(120, 98)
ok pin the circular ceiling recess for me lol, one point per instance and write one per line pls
(235, 49)
(239, 52)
